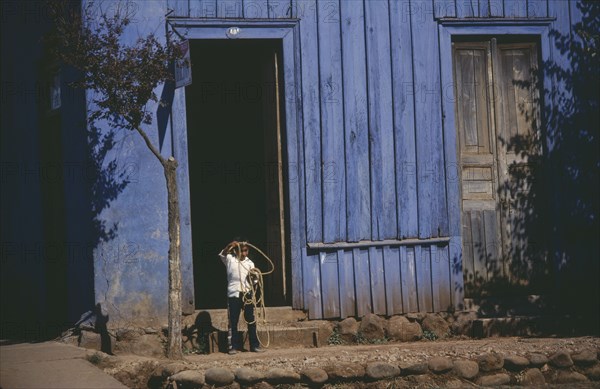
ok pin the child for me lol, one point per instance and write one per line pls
(239, 290)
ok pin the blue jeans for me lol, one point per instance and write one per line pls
(234, 308)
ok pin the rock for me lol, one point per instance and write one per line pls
(262, 385)
(281, 376)
(371, 327)
(561, 359)
(150, 330)
(463, 323)
(533, 377)
(90, 340)
(494, 380)
(326, 328)
(593, 373)
(314, 376)
(381, 370)
(424, 380)
(414, 369)
(490, 362)
(345, 371)
(453, 383)
(416, 316)
(466, 369)
(439, 365)
(219, 376)
(188, 379)
(437, 325)
(169, 369)
(247, 376)
(568, 376)
(128, 334)
(399, 328)
(348, 328)
(538, 360)
(515, 362)
(584, 358)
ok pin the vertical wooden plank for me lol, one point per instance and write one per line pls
(496, 8)
(482, 102)
(443, 269)
(381, 135)
(537, 8)
(330, 282)
(362, 281)
(423, 269)
(404, 120)
(203, 8)
(377, 280)
(457, 282)
(280, 9)
(477, 237)
(492, 244)
(255, 9)
(515, 8)
(332, 123)
(410, 301)
(467, 108)
(467, 8)
(311, 117)
(356, 123)
(311, 279)
(393, 282)
(484, 8)
(467, 245)
(180, 7)
(346, 280)
(435, 278)
(433, 220)
(442, 8)
(230, 9)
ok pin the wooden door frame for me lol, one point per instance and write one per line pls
(447, 29)
(287, 31)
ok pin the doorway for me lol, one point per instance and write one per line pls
(236, 159)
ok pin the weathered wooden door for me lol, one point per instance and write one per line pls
(494, 106)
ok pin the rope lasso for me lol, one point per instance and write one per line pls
(249, 297)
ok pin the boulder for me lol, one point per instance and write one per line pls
(371, 327)
(262, 385)
(561, 359)
(568, 377)
(439, 365)
(584, 358)
(348, 328)
(593, 372)
(533, 377)
(414, 369)
(90, 340)
(515, 362)
(435, 324)
(381, 370)
(538, 360)
(463, 323)
(247, 376)
(219, 376)
(490, 362)
(188, 379)
(494, 380)
(399, 328)
(345, 371)
(314, 376)
(281, 376)
(466, 369)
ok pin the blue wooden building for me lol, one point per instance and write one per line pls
(363, 143)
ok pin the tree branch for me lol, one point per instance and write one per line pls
(151, 146)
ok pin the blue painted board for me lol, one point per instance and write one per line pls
(537, 8)
(430, 163)
(255, 9)
(311, 284)
(280, 9)
(381, 133)
(440, 271)
(441, 8)
(515, 8)
(376, 268)
(330, 284)
(356, 124)
(484, 9)
(362, 282)
(393, 282)
(346, 282)
(496, 8)
(180, 7)
(332, 123)
(404, 123)
(311, 117)
(410, 302)
(423, 271)
(203, 8)
(467, 8)
(230, 9)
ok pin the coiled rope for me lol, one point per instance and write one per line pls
(249, 297)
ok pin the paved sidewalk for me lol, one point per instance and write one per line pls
(50, 365)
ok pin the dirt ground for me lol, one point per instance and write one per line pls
(396, 353)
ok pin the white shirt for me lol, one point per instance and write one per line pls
(237, 274)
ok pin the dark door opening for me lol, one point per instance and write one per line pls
(234, 127)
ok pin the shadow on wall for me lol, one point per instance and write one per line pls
(555, 247)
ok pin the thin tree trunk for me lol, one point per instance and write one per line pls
(174, 350)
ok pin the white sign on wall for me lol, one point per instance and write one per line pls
(183, 66)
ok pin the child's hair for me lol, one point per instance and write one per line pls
(240, 240)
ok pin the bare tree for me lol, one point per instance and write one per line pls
(123, 78)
